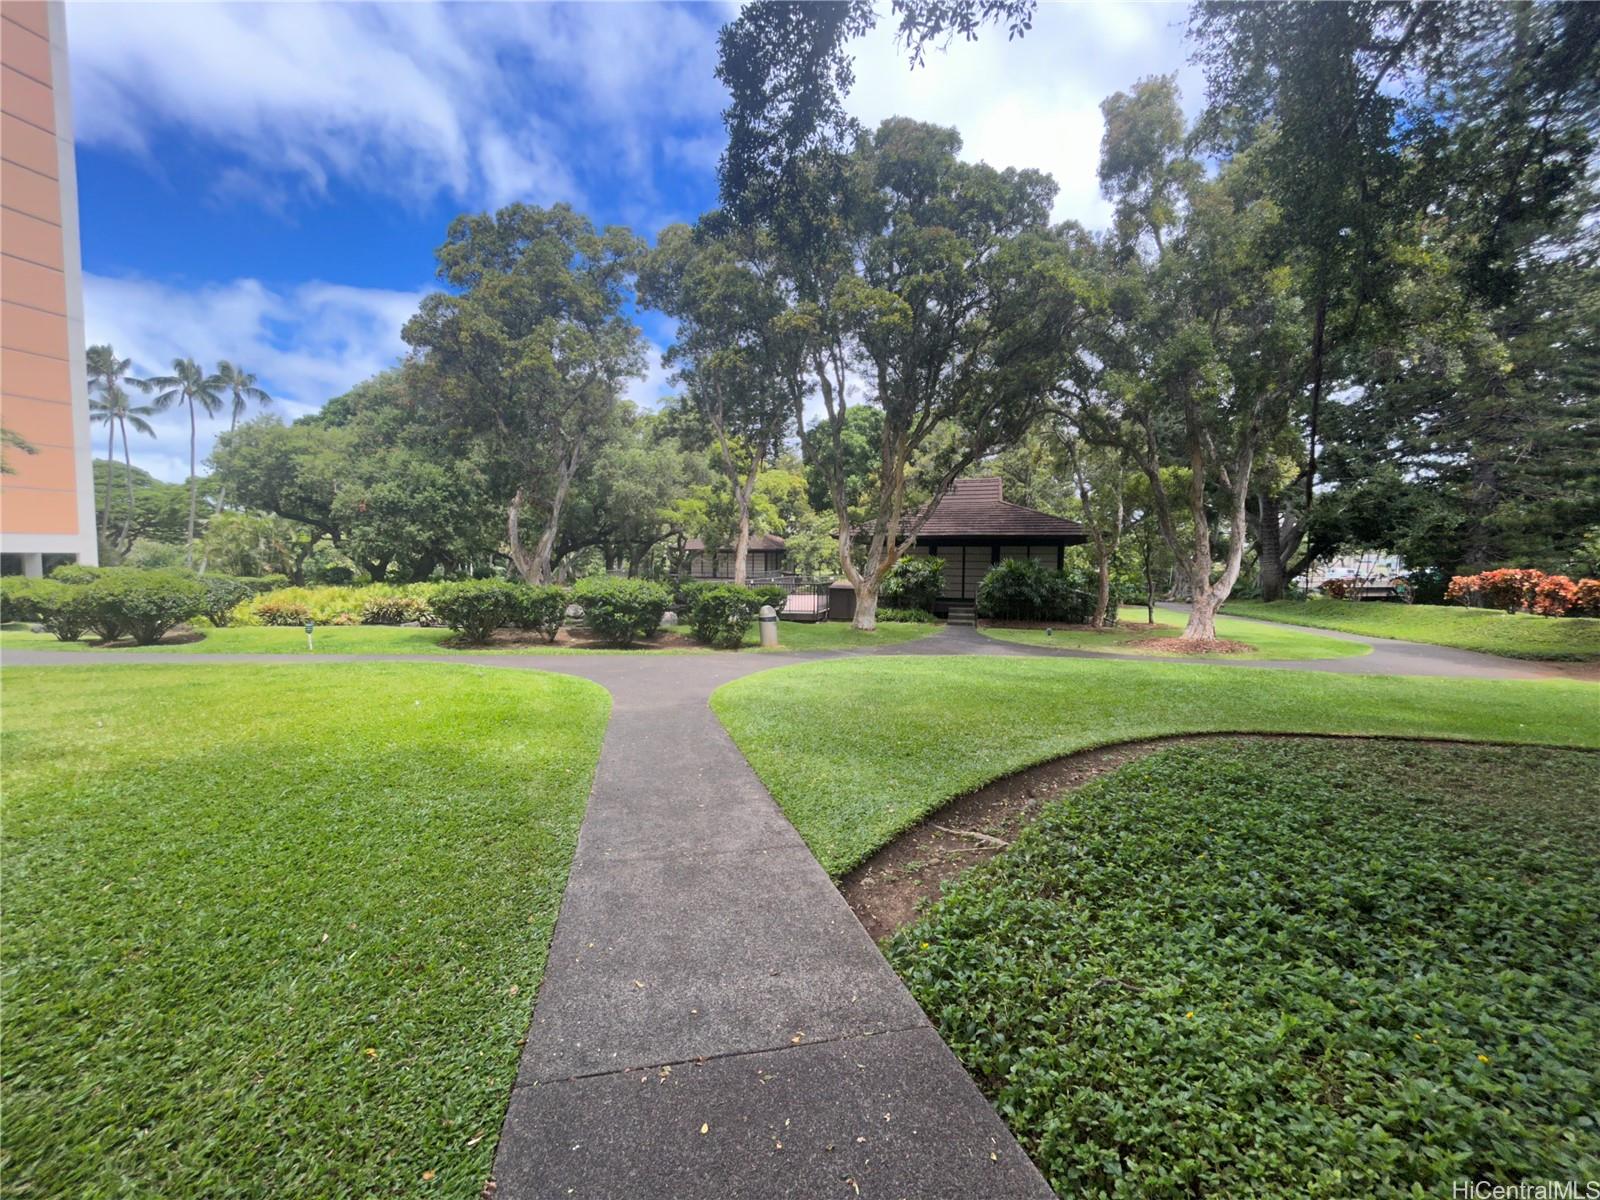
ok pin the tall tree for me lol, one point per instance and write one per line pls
(191, 387)
(242, 390)
(1202, 354)
(934, 296)
(737, 352)
(529, 353)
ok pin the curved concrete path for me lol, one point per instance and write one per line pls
(713, 1020)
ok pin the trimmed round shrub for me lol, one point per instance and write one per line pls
(143, 605)
(1021, 590)
(913, 582)
(62, 608)
(542, 609)
(621, 611)
(16, 599)
(722, 616)
(475, 608)
(1585, 598)
(223, 594)
(281, 612)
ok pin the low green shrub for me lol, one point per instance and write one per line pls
(1021, 590)
(63, 609)
(16, 599)
(281, 612)
(541, 609)
(913, 582)
(335, 605)
(223, 594)
(475, 608)
(388, 609)
(622, 611)
(259, 584)
(143, 605)
(771, 593)
(907, 616)
(722, 616)
(75, 573)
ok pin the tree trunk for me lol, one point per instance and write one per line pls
(1269, 550)
(521, 561)
(866, 617)
(111, 450)
(1317, 355)
(741, 543)
(222, 491)
(127, 463)
(194, 493)
(547, 539)
(1203, 614)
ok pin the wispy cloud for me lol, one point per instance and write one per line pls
(307, 343)
(481, 103)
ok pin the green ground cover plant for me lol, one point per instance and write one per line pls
(1512, 635)
(1271, 644)
(296, 962)
(857, 750)
(1287, 969)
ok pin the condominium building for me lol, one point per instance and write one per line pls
(47, 490)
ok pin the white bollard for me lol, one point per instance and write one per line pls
(769, 626)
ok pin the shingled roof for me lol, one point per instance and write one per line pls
(976, 508)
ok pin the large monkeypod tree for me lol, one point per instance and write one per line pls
(529, 353)
(943, 301)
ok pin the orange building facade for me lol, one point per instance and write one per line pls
(47, 512)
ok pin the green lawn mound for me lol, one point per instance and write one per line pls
(277, 930)
(1257, 641)
(1287, 969)
(1511, 635)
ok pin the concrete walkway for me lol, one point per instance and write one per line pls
(713, 1021)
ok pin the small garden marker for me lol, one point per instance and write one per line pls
(310, 625)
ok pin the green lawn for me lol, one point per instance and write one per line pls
(839, 635)
(277, 930)
(277, 639)
(406, 639)
(1519, 635)
(857, 750)
(1287, 970)
(1270, 644)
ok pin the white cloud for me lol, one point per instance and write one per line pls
(307, 343)
(482, 103)
(1034, 101)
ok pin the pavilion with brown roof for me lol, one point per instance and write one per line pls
(975, 528)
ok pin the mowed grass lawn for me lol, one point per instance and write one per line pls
(1513, 635)
(278, 639)
(277, 930)
(1287, 969)
(407, 639)
(1268, 643)
(857, 750)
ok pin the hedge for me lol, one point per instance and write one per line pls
(722, 616)
(1517, 590)
(144, 605)
(475, 608)
(621, 611)
(541, 609)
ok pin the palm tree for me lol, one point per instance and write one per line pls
(190, 386)
(106, 373)
(112, 407)
(241, 388)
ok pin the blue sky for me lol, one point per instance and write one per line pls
(268, 183)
